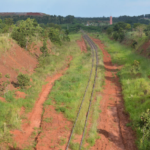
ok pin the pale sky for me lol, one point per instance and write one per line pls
(78, 8)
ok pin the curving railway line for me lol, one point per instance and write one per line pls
(93, 71)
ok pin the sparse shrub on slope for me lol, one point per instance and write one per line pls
(23, 80)
(54, 36)
(19, 37)
(44, 48)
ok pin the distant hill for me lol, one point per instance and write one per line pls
(21, 14)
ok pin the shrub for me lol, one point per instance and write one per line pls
(0, 75)
(54, 35)
(145, 125)
(23, 80)
(134, 43)
(115, 36)
(44, 49)
(7, 75)
(19, 37)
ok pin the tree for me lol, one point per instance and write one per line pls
(136, 25)
(140, 29)
(128, 26)
(109, 31)
(25, 30)
(147, 31)
(9, 21)
(54, 35)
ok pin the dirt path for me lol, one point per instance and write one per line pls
(55, 131)
(112, 129)
(82, 45)
(25, 137)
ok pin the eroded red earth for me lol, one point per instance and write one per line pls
(25, 136)
(82, 45)
(112, 129)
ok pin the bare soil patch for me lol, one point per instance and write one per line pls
(82, 45)
(55, 131)
(112, 129)
(20, 94)
(2, 99)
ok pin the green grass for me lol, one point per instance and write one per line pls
(5, 44)
(135, 85)
(9, 112)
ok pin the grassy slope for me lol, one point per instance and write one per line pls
(9, 112)
(135, 84)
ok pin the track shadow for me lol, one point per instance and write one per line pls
(111, 137)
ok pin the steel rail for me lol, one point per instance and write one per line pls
(92, 44)
(82, 99)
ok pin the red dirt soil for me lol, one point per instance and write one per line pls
(20, 94)
(2, 99)
(145, 49)
(112, 129)
(18, 60)
(23, 137)
(14, 61)
(55, 132)
(82, 45)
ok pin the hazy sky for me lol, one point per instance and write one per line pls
(82, 8)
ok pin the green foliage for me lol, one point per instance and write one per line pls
(24, 31)
(135, 67)
(147, 31)
(61, 109)
(7, 75)
(0, 75)
(136, 25)
(9, 21)
(115, 36)
(134, 43)
(109, 31)
(23, 80)
(19, 37)
(145, 125)
(44, 48)
(54, 35)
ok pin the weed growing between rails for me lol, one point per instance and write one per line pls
(134, 77)
(10, 111)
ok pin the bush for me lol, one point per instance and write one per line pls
(54, 35)
(0, 75)
(19, 37)
(23, 80)
(44, 49)
(145, 126)
(7, 75)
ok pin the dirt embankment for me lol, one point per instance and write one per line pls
(18, 60)
(82, 45)
(112, 129)
(145, 49)
(51, 123)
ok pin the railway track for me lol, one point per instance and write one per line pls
(93, 71)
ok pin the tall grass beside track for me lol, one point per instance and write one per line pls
(135, 84)
(10, 111)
